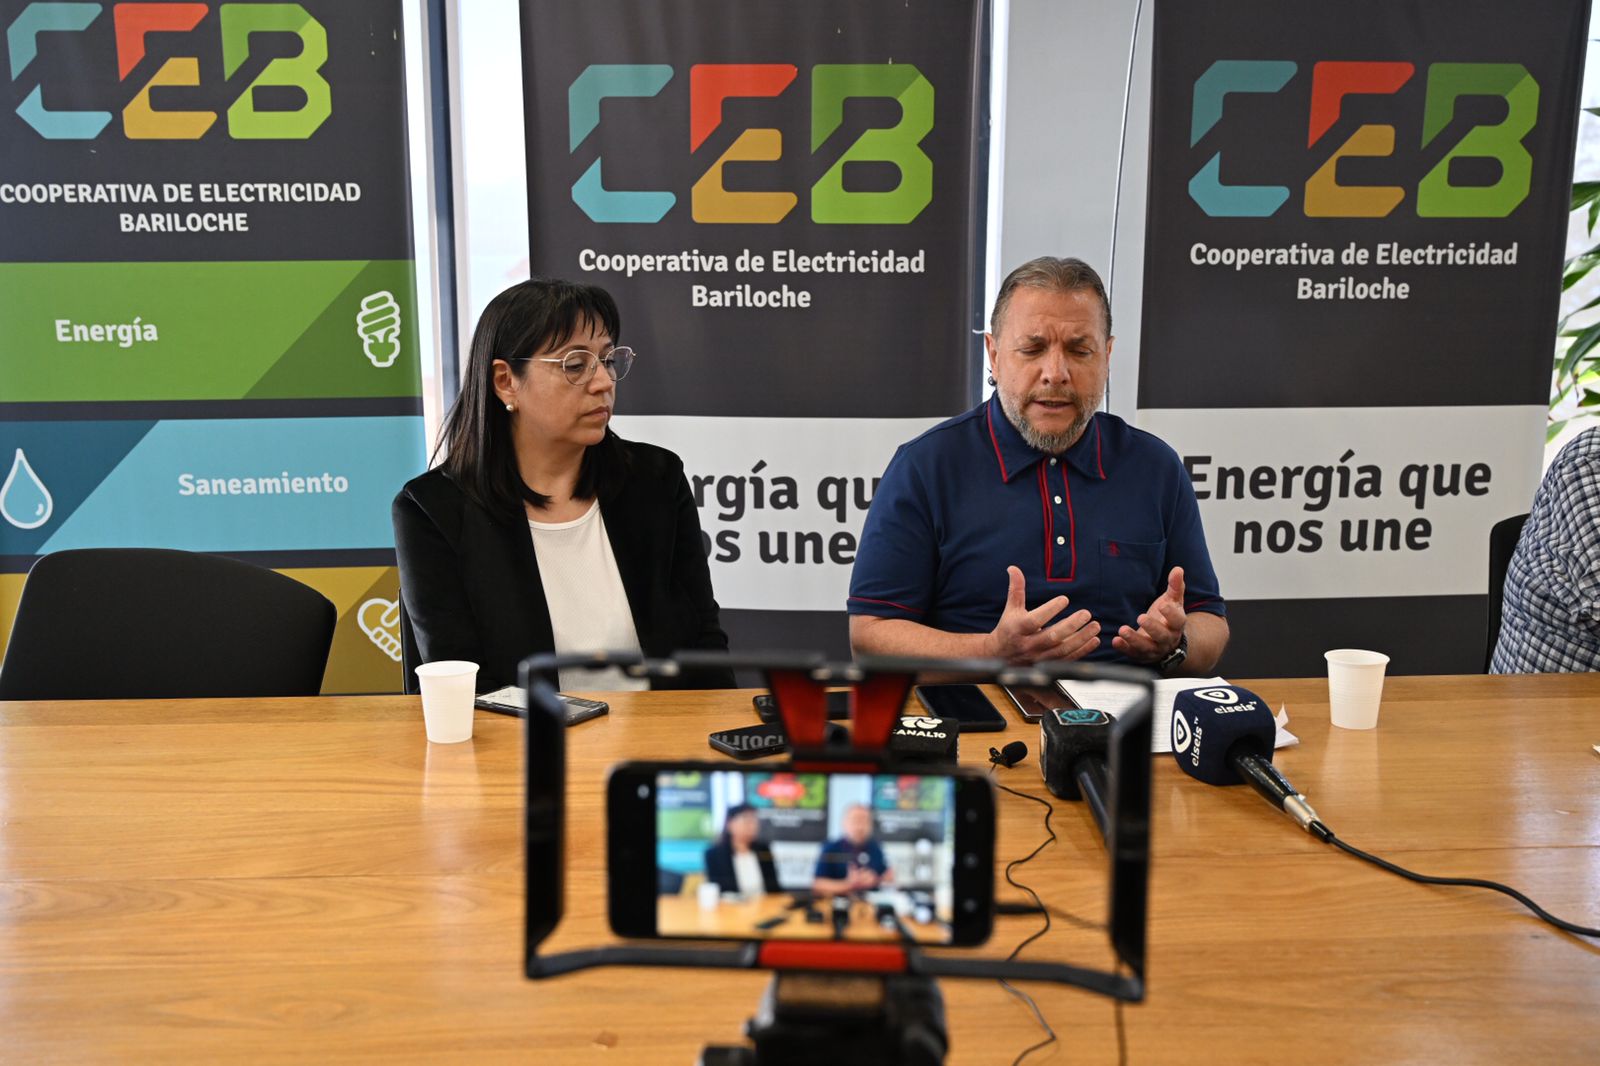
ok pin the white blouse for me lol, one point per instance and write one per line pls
(747, 874)
(588, 606)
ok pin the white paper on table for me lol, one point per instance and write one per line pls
(1117, 697)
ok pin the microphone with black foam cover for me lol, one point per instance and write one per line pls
(1225, 736)
(1073, 748)
(920, 739)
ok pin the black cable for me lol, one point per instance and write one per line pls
(1122, 1034)
(1038, 1016)
(1013, 909)
(1038, 907)
(1323, 833)
(1017, 908)
(1023, 997)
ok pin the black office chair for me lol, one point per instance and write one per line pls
(410, 656)
(129, 623)
(1503, 539)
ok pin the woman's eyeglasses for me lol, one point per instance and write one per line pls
(578, 365)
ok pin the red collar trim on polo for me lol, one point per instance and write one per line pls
(988, 417)
(1087, 456)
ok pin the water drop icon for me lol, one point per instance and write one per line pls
(24, 501)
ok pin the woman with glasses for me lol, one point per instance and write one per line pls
(542, 530)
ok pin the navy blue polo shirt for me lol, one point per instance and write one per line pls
(1103, 525)
(839, 855)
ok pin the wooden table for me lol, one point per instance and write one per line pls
(310, 881)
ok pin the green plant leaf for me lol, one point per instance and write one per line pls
(1584, 192)
(1560, 327)
(1591, 399)
(1591, 376)
(1578, 267)
(1554, 429)
(1584, 344)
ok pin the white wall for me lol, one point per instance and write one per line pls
(1066, 80)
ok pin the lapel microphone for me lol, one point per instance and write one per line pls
(1010, 755)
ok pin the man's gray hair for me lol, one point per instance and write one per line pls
(1050, 272)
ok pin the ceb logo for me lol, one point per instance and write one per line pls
(1331, 82)
(709, 85)
(140, 121)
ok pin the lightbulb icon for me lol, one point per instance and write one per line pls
(378, 326)
(379, 619)
(24, 500)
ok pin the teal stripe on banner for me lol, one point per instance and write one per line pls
(289, 484)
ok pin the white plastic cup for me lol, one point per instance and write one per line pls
(1355, 686)
(447, 691)
(710, 894)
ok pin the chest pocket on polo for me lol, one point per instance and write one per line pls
(1133, 566)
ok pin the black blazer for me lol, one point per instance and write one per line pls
(470, 583)
(719, 866)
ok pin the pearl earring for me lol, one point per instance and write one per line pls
(513, 407)
(991, 379)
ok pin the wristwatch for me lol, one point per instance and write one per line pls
(1176, 656)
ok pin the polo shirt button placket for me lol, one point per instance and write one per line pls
(1059, 563)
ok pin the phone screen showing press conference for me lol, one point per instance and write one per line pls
(860, 857)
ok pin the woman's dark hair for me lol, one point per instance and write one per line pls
(733, 812)
(476, 436)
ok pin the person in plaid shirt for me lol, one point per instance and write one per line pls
(1550, 620)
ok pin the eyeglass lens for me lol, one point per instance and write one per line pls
(579, 365)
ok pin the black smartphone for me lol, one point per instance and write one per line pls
(750, 742)
(513, 701)
(920, 846)
(838, 706)
(581, 710)
(965, 703)
(1034, 702)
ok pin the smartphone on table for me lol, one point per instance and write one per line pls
(965, 703)
(1034, 702)
(513, 700)
(838, 704)
(890, 856)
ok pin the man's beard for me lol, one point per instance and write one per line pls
(1051, 443)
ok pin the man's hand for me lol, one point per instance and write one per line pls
(861, 879)
(1021, 636)
(1159, 627)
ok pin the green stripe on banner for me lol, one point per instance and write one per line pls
(208, 331)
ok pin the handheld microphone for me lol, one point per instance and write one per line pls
(1224, 736)
(1074, 744)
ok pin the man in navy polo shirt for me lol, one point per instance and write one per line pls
(854, 862)
(1036, 526)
